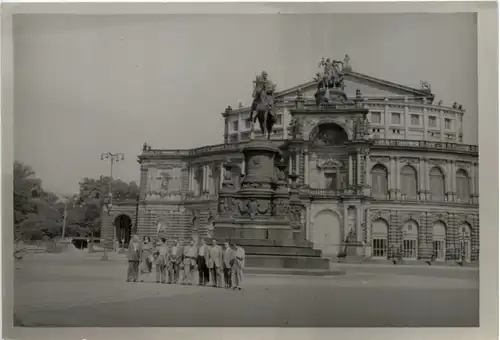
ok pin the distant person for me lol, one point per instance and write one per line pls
(147, 255)
(160, 255)
(215, 263)
(190, 254)
(203, 273)
(176, 254)
(238, 266)
(134, 258)
(227, 256)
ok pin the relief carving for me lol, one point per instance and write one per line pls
(253, 207)
(410, 160)
(380, 159)
(438, 161)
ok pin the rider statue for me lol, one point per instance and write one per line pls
(263, 103)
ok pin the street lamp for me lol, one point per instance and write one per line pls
(112, 157)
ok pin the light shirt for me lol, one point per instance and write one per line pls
(201, 251)
(174, 250)
(134, 246)
(240, 253)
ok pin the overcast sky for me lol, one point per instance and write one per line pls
(90, 84)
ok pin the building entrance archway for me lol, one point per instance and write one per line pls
(123, 227)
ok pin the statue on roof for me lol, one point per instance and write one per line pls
(263, 105)
(330, 81)
(424, 85)
(346, 64)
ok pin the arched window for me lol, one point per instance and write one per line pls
(410, 240)
(379, 239)
(437, 184)
(462, 180)
(409, 182)
(329, 134)
(439, 241)
(379, 181)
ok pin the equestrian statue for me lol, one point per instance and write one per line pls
(330, 82)
(263, 105)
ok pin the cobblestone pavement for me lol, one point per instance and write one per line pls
(80, 291)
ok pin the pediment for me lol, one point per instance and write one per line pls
(369, 87)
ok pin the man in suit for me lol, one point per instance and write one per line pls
(160, 261)
(190, 252)
(227, 256)
(176, 253)
(134, 258)
(215, 263)
(203, 273)
(237, 266)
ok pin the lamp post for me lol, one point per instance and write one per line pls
(112, 157)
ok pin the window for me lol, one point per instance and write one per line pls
(245, 136)
(409, 182)
(248, 124)
(437, 181)
(432, 121)
(331, 180)
(415, 119)
(379, 238)
(462, 180)
(410, 249)
(279, 119)
(235, 125)
(410, 240)
(379, 181)
(376, 117)
(233, 138)
(396, 118)
(447, 124)
(439, 241)
(379, 247)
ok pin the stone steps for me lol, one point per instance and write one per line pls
(283, 251)
(286, 262)
(266, 242)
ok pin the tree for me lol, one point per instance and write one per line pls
(94, 193)
(34, 215)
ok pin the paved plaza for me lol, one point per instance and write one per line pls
(79, 290)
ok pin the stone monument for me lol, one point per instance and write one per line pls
(264, 214)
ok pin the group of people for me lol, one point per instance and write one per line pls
(178, 263)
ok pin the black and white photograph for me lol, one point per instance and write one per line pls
(267, 170)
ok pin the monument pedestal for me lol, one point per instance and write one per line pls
(258, 216)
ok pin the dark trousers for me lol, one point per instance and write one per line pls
(173, 275)
(133, 271)
(203, 272)
(227, 277)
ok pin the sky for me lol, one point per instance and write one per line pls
(84, 85)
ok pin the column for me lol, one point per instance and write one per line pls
(306, 167)
(441, 126)
(427, 184)
(297, 160)
(243, 166)
(406, 117)
(387, 119)
(346, 224)
(368, 178)
(204, 181)
(425, 122)
(338, 181)
(398, 178)
(358, 168)
(290, 164)
(350, 170)
(221, 177)
(421, 179)
(368, 222)
(226, 130)
(473, 180)
(453, 180)
(210, 182)
(359, 230)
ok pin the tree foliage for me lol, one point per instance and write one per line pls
(34, 213)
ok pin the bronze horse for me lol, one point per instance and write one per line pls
(263, 107)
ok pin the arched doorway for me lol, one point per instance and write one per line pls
(439, 241)
(329, 134)
(410, 240)
(327, 232)
(465, 236)
(379, 239)
(123, 225)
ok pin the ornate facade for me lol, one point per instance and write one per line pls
(388, 172)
